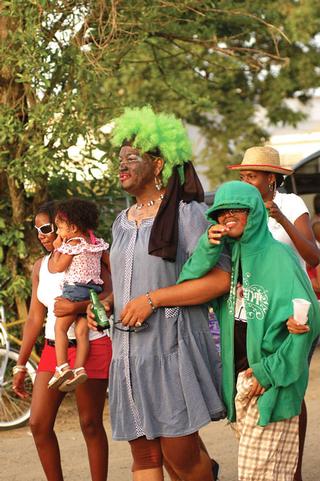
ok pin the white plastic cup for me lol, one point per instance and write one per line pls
(300, 310)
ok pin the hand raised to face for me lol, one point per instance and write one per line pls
(216, 232)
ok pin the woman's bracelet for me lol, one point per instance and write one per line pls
(18, 368)
(153, 307)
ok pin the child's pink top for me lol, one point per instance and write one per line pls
(86, 263)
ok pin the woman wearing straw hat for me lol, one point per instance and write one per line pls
(289, 219)
(289, 222)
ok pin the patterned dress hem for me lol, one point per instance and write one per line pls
(167, 435)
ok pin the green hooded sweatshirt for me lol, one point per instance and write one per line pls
(272, 277)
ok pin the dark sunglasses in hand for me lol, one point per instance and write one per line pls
(131, 329)
(45, 229)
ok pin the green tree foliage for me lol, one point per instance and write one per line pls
(215, 63)
(68, 67)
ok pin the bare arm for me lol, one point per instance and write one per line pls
(59, 262)
(197, 291)
(105, 259)
(35, 319)
(300, 233)
(31, 331)
(303, 238)
(315, 281)
(106, 276)
(64, 307)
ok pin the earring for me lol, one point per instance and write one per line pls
(158, 183)
(273, 189)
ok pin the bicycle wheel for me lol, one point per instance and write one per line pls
(15, 412)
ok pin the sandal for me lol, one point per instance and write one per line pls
(62, 373)
(79, 376)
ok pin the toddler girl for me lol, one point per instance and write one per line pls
(79, 253)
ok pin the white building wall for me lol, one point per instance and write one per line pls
(294, 144)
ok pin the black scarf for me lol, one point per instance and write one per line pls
(163, 240)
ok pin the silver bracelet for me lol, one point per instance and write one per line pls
(18, 368)
(153, 307)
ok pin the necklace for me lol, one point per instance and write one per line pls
(149, 203)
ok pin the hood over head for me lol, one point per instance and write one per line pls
(237, 195)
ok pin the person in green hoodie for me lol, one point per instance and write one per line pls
(264, 367)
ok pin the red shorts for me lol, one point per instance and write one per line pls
(97, 364)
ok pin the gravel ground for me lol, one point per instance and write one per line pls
(20, 461)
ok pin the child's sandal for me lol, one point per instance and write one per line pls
(62, 374)
(79, 377)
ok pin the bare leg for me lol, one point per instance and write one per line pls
(173, 475)
(44, 408)
(82, 335)
(60, 329)
(302, 438)
(155, 474)
(186, 458)
(147, 459)
(90, 400)
(203, 448)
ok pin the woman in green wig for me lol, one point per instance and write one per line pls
(165, 374)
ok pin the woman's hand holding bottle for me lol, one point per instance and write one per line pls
(108, 306)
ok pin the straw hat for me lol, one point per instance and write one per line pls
(265, 159)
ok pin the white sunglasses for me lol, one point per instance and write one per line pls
(45, 229)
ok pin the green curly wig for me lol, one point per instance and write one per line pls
(148, 131)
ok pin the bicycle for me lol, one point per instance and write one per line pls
(14, 411)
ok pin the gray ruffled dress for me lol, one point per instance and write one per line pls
(164, 380)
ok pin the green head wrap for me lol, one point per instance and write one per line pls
(149, 132)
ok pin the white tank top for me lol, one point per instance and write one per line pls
(50, 287)
(292, 206)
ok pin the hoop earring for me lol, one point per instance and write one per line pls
(158, 183)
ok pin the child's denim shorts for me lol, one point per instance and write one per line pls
(79, 292)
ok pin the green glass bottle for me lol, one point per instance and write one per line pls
(99, 312)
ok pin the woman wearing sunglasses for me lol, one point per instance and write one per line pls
(264, 368)
(90, 396)
(288, 222)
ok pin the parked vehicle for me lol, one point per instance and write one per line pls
(306, 176)
(305, 181)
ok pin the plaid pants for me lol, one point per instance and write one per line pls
(268, 453)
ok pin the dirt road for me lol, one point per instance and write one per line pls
(20, 462)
